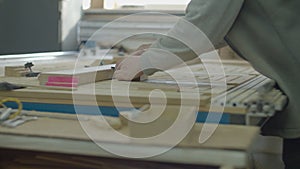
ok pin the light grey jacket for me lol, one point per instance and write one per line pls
(264, 32)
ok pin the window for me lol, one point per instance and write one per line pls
(138, 4)
(147, 4)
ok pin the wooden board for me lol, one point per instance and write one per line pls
(230, 137)
(84, 75)
(14, 71)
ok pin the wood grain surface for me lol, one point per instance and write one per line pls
(230, 137)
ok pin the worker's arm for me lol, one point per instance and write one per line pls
(185, 42)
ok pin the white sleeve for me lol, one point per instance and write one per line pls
(210, 19)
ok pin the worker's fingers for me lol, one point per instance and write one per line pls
(119, 74)
(133, 58)
(128, 69)
(125, 61)
(119, 64)
(129, 63)
(138, 52)
(126, 76)
(144, 47)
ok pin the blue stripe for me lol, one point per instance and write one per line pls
(95, 110)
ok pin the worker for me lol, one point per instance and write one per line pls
(266, 33)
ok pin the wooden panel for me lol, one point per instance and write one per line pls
(230, 137)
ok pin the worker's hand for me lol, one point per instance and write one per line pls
(128, 69)
(143, 47)
(140, 50)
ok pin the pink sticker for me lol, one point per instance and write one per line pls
(63, 79)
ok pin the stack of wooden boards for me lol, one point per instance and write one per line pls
(231, 142)
(242, 83)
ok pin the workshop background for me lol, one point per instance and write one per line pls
(67, 24)
(40, 28)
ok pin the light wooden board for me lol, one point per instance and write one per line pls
(84, 75)
(14, 71)
(230, 137)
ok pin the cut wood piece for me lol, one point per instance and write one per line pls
(144, 124)
(156, 119)
(15, 71)
(81, 76)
